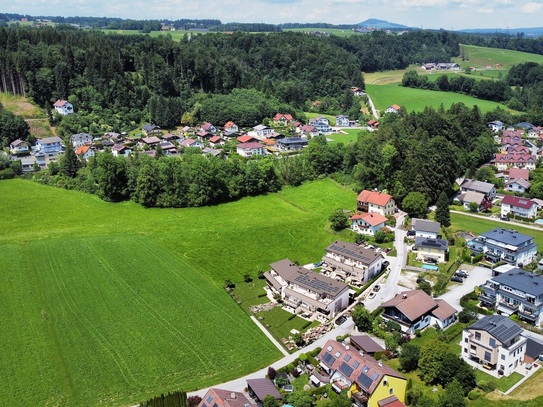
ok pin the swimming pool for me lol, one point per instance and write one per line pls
(539, 222)
(430, 267)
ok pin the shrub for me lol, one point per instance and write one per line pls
(271, 373)
(474, 395)
(229, 284)
(290, 318)
(315, 351)
(295, 373)
(487, 385)
(262, 295)
(306, 324)
(312, 360)
(247, 278)
(417, 333)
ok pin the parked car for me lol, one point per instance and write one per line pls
(372, 295)
(341, 320)
(411, 232)
(386, 263)
(376, 288)
(505, 218)
(320, 263)
(462, 273)
(420, 280)
(457, 279)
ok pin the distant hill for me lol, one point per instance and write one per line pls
(528, 32)
(381, 24)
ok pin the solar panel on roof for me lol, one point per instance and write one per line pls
(347, 358)
(365, 381)
(346, 369)
(328, 359)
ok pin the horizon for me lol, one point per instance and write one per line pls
(452, 15)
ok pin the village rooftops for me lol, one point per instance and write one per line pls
(353, 251)
(478, 186)
(517, 201)
(500, 327)
(521, 280)
(509, 237)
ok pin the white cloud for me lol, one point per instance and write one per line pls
(532, 7)
(485, 10)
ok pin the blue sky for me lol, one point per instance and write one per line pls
(447, 14)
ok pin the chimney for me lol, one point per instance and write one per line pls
(233, 395)
(380, 364)
(404, 296)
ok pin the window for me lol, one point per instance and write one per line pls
(391, 391)
(502, 357)
(338, 354)
(466, 340)
(477, 336)
(492, 342)
(488, 356)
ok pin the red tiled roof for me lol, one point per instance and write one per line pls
(60, 103)
(444, 310)
(229, 124)
(395, 107)
(371, 218)
(519, 173)
(518, 202)
(280, 116)
(206, 126)
(215, 139)
(226, 398)
(391, 401)
(514, 158)
(245, 139)
(82, 150)
(374, 197)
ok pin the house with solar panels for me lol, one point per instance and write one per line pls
(431, 250)
(355, 264)
(495, 342)
(368, 382)
(505, 245)
(305, 291)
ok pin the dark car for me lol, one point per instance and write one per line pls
(461, 273)
(420, 280)
(505, 218)
(457, 279)
(341, 320)
(386, 263)
(376, 287)
(411, 232)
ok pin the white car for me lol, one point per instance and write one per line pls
(372, 295)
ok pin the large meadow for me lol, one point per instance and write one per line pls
(108, 304)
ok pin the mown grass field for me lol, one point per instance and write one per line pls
(352, 135)
(480, 57)
(109, 304)
(417, 99)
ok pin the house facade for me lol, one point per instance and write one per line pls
(517, 206)
(262, 131)
(505, 245)
(356, 264)
(321, 124)
(496, 126)
(49, 145)
(485, 188)
(291, 143)
(282, 119)
(368, 382)
(63, 107)
(19, 147)
(120, 150)
(342, 121)
(80, 139)
(426, 228)
(416, 310)
(304, 290)
(505, 161)
(149, 129)
(431, 249)
(367, 223)
(251, 149)
(84, 152)
(518, 185)
(374, 201)
(515, 292)
(393, 109)
(231, 127)
(495, 342)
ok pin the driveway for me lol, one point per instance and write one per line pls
(477, 276)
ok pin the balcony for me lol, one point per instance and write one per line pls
(487, 299)
(511, 307)
(529, 316)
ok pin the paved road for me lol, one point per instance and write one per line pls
(372, 106)
(507, 222)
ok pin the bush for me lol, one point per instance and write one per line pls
(271, 373)
(312, 360)
(417, 333)
(315, 351)
(474, 395)
(487, 385)
(262, 295)
(296, 373)
(292, 317)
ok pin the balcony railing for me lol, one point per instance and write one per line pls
(513, 307)
(527, 315)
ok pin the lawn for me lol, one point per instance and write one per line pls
(480, 57)
(503, 384)
(120, 302)
(352, 135)
(418, 99)
(280, 325)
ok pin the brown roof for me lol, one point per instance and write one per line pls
(353, 251)
(245, 139)
(365, 343)
(60, 103)
(263, 388)
(444, 310)
(251, 145)
(151, 140)
(391, 401)
(82, 150)
(225, 398)
(413, 304)
(371, 218)
(374, 197)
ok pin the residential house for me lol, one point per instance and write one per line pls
(515, 292)
(496, 126)
(246, 139)
(28, 163)
(536, 132)
(225, 398)
(506, 161)
(204, 135)
(208, 128)
(505, 245)
(495, 342)
(84, 152)
(304, 290)
(393, 109)
(81, 139)
(416, 310)
(517, 206)
(374, 201)
(321, 124)
(366, 380)
(231, 127)
(367, 223)
(525, 126)
(149, 142)
(307, 130)
(431, 250)
(258, 389)
(518, 173)
(357, 91)
(474, 197)
(113, 136)
(171, 137)
(189, 142)
(262, 131)
(250, 149)
(365, 344)
(216, 141)
(291, 143)
(149, 129)
(211, 151)
(373, 124)
(168, 148)
(120, 150)
(426, 228)
(356, 264)
(63, 107)
(485, 188)
(282, 119)
(19, 147)
(49, 145)
(342, 121)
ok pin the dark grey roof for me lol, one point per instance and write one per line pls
(430, 242)
(353, 251)
(478, 186)
(533, 348)
(521, 280)
(499, 326)
(423, 225)
(150, 127)
(507, 236)
(292, 140)
(81, 136)
(263, 388)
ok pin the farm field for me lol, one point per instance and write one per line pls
(480, 57)
(120, 302)
(417, 99)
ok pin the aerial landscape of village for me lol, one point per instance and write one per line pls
(267, 213)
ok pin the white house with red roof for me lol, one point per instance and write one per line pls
(120, 150)
(367, 223)
(375, 201)
(417, 310)
(251, 149)
(393, 109)
(63, 107)
(515, 205)
(519, 160)
(208, 128)
(283, 119)
(231, 127)
(84, 152)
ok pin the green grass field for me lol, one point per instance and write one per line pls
(417, 99)
(352, 135)
(113, 303)
(480, 57)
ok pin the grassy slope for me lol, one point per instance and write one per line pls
(121, 302)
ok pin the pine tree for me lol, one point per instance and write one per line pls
(70, 163)
(443, 214)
